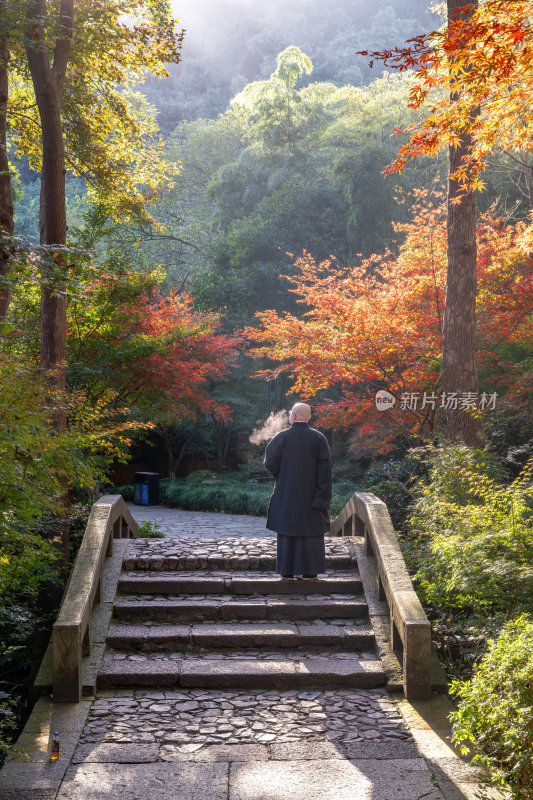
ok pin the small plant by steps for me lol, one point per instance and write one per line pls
(150, 530)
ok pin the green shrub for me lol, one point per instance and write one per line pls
(9, 722)
(341, 495)
(391, 481)
(77, 523)
(25, 628)
(471, 535)
(126, 490)
(235, 493)
(396, 499)
(150, 530)
(344, 472)
(494, 723)
(30, 486)
(232, 494)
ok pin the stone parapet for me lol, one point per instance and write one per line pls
(71, 636)
(367, 516)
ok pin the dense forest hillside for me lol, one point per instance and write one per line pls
(230, 43)
(283, 170)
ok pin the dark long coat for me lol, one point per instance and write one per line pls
(300, 461)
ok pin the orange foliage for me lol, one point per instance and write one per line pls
(487, 59)
(379, 325)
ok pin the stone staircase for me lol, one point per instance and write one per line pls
(212, 613)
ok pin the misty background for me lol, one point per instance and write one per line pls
(229, 43)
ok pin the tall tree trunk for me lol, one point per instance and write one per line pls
(459, 363)
(6, 204)
(171, 466)
(48, 81)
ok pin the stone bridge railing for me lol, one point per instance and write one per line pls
(71, 635)
(367, 516)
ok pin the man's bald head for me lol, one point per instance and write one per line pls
(300, 412)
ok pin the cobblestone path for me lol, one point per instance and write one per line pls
(175, 522)
(185, 722)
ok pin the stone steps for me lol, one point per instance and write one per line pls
(274, 672)
(239, 582)
(300, 634)
(213, 614)
(275, 607)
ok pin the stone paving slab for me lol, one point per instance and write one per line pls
(224, 635)
(455, 769)
(470, 791)
(273, 585)
(152, 672)
(247, 635)
(330, 780)
(162, 781)
(305, 750)
(217, 752)
(309, 672)
(31, 780)
(29, 792)
(237, 671)
(280, 607)
(380, 750)
(116, 754)
(170, 583)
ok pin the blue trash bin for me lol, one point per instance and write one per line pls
(146, 488)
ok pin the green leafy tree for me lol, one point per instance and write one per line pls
(275, 107)
(6, 202)
(36, 464)
(66, 112)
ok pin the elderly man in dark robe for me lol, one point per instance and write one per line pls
(300, 461)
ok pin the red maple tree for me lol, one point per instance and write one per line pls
(157, 351)
(379, 326)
